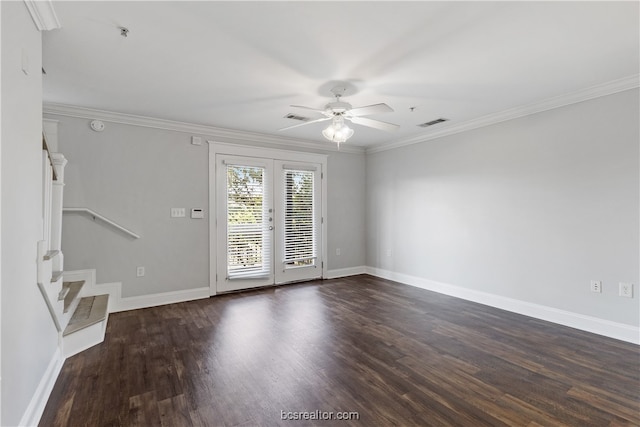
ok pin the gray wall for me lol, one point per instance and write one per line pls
(134, 175)
(531, 209)
(346, 205)
(29, 337)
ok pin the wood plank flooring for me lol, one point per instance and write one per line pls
(394, 354)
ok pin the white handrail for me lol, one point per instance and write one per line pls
(95, 215)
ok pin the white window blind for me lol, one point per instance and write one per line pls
(299, 225)
(248, 235)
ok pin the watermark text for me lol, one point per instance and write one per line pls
(319, 415)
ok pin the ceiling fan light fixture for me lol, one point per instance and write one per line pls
(337, 131)
(339, 111)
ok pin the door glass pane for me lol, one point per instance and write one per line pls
(248, 236)
(299, 224)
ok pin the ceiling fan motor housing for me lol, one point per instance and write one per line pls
(337, 107)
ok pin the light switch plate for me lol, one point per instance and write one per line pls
(178, 212)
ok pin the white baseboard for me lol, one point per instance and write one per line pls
(32, 414)
(119, 303)
(144, 301)
(344, 272)
(591, 324)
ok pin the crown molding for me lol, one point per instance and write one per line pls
(237, 136)
(229, 135)
(43, 14)
(608, 88)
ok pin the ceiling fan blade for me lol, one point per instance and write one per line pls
(377, 124)
(306, 123)
(308, 108)
(370, 109)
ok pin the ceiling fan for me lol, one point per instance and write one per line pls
(339, 111)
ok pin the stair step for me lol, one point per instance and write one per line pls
(90, 311)
(56, 275)
(74, 290)
(51, 254)
(63, 293)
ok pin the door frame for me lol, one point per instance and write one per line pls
(222, 163)
(216, 148)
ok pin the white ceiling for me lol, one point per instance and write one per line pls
(239, 65)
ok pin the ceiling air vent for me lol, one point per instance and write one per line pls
(433, 122)
(296, 117)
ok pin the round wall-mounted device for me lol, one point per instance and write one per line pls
(97, 125)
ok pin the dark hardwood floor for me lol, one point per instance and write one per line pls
(394, 354)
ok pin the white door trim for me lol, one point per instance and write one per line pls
(216, 148)
(283, 274)
(223, 282)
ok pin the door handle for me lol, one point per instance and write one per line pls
(271, 227)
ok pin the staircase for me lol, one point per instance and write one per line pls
(88, 324)
(81, 320)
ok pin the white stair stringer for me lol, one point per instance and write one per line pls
(81, 334)
(84, 338)
(50, 286)
(88, 325)
(64, 295)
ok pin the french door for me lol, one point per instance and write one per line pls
(268, 222)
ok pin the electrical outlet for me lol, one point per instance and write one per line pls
(596, 286)
(139, 271)
(338, 251)
(626, 290)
